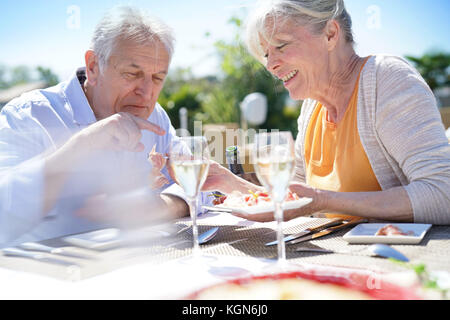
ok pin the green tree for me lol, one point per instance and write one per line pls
(434, 68)
(12, 76)
(20, 75)
(47, 75)
(3, 82)
(180, 90)
(216, 99)
(241, 75)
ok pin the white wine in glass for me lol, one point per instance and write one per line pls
(189, 160)
(275, 163)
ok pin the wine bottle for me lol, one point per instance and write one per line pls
(232, 158)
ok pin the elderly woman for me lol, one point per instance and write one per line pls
(371, 142)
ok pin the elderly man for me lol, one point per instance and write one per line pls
(74, 157)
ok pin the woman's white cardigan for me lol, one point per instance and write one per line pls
(402, 133)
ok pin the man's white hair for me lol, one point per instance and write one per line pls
(129, 23)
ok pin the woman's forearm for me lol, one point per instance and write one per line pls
(223, 180)
(235, 183)
(392, 204)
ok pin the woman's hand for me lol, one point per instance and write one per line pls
(302, 190)
(218, 178)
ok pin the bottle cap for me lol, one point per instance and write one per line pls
(231, 149)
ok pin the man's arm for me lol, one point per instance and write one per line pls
(21, 179)
(121, 131)
(134, 209)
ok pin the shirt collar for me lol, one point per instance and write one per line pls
(81, 110)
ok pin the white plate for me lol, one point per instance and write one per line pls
(267, 206)
(365, 233)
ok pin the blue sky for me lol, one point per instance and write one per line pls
(47, 32)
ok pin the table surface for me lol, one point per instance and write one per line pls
(145, 268)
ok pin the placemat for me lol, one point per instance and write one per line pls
(241, 240)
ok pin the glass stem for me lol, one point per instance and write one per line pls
(193, 212)
(280, 235)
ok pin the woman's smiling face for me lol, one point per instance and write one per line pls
(296, 56)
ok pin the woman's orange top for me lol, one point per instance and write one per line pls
(334, 155)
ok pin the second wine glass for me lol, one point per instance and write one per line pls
(274, 165)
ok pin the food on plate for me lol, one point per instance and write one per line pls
(280, 289)
(219, 200)
(237, 199)
(391, 230)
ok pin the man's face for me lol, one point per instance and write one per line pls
(130, 81)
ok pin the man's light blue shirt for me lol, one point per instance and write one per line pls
(38, 123)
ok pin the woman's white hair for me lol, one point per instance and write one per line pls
(129, 23)
(308, 13)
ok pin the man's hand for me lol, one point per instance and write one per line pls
(121, 131)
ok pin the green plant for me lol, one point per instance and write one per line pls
(216, 99)
(11, 76)
(426, 280)
(48, 76)
(243, 74)
(434, 68)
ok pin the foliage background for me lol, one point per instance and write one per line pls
(216, 99)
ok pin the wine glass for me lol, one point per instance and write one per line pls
(274, 165)
(189, 160)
